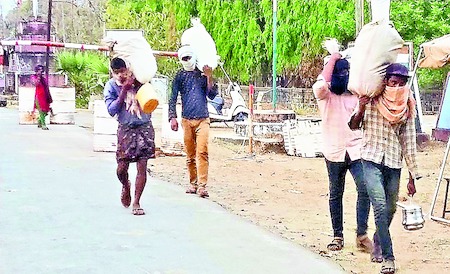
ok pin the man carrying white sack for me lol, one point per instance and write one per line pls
(135, 133)
(194, 86)
(389, 135)
(341, 149)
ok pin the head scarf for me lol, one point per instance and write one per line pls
(339, 78)
(184, 51)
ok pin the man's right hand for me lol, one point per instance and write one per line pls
(174, 124)
(128, 84)
(363, 101)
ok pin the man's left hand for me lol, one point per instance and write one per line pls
(411, 186)
(207, 71)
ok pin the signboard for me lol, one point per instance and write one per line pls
(443, 121)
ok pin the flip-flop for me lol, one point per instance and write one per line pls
(138, 211)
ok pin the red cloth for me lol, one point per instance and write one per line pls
(42, 94)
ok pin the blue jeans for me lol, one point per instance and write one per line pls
(382, 186)
(336, 176)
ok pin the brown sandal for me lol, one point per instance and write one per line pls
(201, 191)
(364, 244)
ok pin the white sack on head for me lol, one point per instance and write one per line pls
(138, 54)
(375, 48)
(202, 43)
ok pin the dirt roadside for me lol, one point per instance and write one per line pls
(289, 196)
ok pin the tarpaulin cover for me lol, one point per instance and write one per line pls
(436, 53)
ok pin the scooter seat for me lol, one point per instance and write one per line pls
(217, 103)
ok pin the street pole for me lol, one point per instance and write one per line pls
(251, 92)
(274, 61)
(359, 15)
(49, 27)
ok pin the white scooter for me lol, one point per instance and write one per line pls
(238, 110)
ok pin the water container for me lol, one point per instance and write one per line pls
(147, 98)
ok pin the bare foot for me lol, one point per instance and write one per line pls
(125, 197)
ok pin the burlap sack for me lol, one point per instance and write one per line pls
(375, 48)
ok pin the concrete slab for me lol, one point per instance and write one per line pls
(61, 213)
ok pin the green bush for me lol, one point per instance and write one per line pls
(87, 71)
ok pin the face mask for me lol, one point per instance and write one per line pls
(189, 65)
(396, 94)
(396, 89)
(339, 84)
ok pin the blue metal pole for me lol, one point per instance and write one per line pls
(274, 61)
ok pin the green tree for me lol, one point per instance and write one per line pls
(421, 21)
(87, 71)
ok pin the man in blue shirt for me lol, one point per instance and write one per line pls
(135, 134)
(194, 86)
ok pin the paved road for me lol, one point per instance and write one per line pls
(60, 213)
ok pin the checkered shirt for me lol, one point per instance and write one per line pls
(386, 143)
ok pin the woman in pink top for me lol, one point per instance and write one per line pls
(42, 97)
(341, 149)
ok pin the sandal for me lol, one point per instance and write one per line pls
(191, 190)
(388, 267)
(138, 211)
(364, 244)
(337, 244)
(201, 191)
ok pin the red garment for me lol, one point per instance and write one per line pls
(42, 94)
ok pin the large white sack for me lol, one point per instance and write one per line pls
(375, 48)
(138, 54)
(380, 9)
(202, 44)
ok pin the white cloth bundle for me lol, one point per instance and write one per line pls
(138, 54)
(376, 47)
(202, 43)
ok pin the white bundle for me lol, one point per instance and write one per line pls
(202, 44)
(138, 54)
(331, 45)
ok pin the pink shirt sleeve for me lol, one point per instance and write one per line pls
(320, 88)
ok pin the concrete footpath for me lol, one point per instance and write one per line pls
(60, 213)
